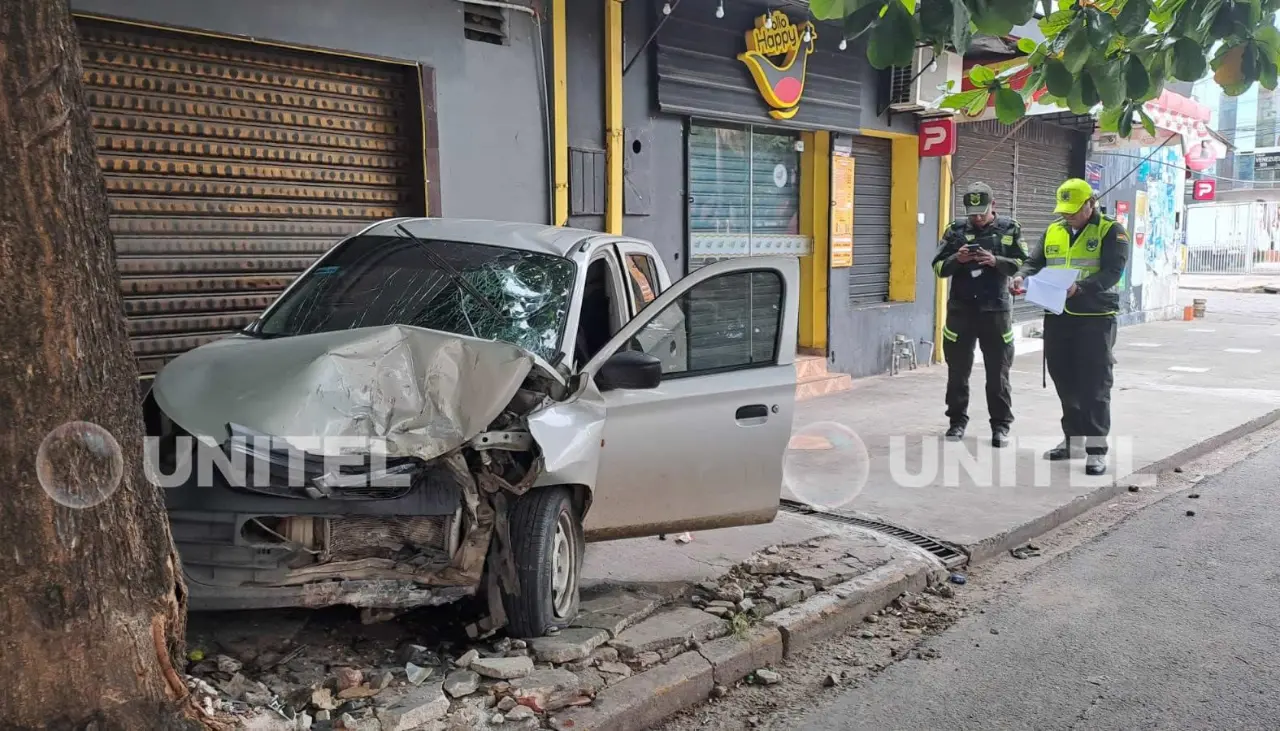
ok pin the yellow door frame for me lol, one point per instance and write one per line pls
(941, 285)
(815, 219)
(560, 113)
(613, 115)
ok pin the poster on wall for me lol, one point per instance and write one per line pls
(1138, 234)
(1122, 214)
(841, 211)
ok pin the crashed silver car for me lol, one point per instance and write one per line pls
(442, 408)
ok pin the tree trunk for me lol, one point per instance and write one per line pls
(91, 599)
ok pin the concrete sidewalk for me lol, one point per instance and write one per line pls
(1181, 388)
(1253, 282)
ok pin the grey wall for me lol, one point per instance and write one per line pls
(493, 158)
(858, 338)
(584, 27)
(655, 175)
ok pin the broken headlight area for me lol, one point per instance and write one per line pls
(260, 521)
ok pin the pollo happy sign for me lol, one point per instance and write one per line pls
(781, 83)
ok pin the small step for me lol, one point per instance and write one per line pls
(824, 386)
(810, 367)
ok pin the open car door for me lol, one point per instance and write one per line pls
(703, 448)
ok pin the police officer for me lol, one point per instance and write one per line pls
(1078, 342)
(979, 253)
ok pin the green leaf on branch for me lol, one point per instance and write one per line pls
(1133, 18)
(992, 24)
(966, 99)
(1075, 100)
(862, 21)
(909, 6)
(1055, 24)
(1057, 79)
(1009, 106)
(1089, 95)
(1109, 120)
(1267, 73)
(1147, 122)
(1109, 82)
(1077, 53)
(1125, 124)
(893, 40)
(1188, 60)
(981, 75)
(1014, 11)
(946, 20)
(832, 9)
(1027, 46)
(1137, 81)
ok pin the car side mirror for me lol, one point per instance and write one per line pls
(629, 369)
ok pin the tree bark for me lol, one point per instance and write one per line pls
(91, 600)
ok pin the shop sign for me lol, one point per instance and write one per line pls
(937, 137)
(1203, 190)
(777, 55)
(1266, 160)
(841, 211)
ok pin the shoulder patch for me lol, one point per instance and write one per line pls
(1122, 236)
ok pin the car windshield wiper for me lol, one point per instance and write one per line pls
(454, 274)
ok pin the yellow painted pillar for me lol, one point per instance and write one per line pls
(613, 115)
(904, 191)
(560, 113)
(942, 285)
(815, 218)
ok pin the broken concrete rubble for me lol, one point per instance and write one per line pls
(415, 708)
(571, 644)
(550, 690)
(502, 668)
(461, 682)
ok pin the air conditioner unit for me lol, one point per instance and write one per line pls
(917, 88)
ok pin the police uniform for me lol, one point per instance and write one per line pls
(1078, 343)
(979, 310)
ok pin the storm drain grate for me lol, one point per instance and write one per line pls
(950, 556)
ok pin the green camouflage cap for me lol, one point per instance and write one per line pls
(977, 200)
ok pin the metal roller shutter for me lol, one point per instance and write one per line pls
(872, 177)
(230, 167)
(1023, 172)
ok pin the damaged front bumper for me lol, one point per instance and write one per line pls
(261, 521)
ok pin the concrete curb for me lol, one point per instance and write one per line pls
(844, 605)
(646, 699)
(995, 546)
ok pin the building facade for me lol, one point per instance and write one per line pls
(746, 130)
(239, 140)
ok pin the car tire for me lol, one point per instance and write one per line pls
(547, 548)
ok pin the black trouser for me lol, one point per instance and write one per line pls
(1077, 350)
(993, 332)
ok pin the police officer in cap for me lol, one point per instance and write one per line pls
(979, 253)
(1078, 342)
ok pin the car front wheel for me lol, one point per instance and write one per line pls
(547, 547)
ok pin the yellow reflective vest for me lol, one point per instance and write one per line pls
(1085, 255)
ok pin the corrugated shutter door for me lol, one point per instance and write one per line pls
(872, 178)
(1023, 171)
(719, 183)
(230, 167)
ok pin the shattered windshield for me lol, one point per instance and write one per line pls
(369, 281)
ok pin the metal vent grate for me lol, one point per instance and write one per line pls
(900, 78)
(484, 23)
(950, 556)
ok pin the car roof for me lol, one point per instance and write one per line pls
(539, 237)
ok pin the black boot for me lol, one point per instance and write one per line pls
(1000, 436)
(1062, 451)
(955, 433)
(1095, 464)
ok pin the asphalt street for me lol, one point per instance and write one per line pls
(1168, 621)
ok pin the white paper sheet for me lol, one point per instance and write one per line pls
(1048, 288)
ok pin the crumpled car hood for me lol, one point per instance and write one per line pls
(425, 392)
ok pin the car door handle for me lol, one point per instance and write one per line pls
(752, 414)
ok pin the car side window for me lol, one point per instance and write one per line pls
(643, 277)
(726, 323)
